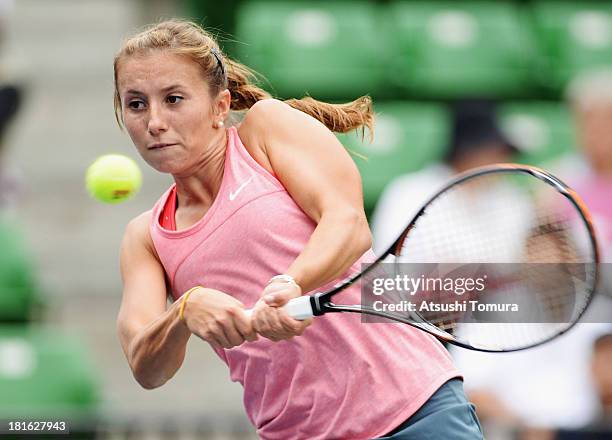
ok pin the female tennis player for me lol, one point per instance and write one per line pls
(262, 211)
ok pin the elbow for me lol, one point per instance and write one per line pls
(365, 238)
(151, 374)
(361, 237)
(143, 374)
(150, 367)
(146, 381)
(147, 385)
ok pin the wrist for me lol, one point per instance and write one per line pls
(280, 289)
(183, 303)
(283, 278)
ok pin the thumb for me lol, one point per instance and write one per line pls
(280, 294)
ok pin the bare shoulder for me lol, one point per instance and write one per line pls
(258, 124)
(271, 121)
(261, 112)
(139, 224)
(273, 117)
(137, 233)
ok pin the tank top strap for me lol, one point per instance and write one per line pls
(243, 165)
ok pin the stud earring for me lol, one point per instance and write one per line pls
(220, 124)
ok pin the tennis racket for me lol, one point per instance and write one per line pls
(531, 228)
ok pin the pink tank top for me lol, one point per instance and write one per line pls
(341, 379)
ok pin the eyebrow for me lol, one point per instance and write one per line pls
(164, 90)
(172, 87)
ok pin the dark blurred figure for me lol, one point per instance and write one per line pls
(475, 140)
(10, 102)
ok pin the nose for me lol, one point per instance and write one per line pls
(157, 123)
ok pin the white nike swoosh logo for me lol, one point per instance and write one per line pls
(234, 194)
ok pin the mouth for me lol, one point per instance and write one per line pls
(159, 146)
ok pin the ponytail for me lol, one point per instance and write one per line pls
(219, 71)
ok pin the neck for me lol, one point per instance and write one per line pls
(200, 185)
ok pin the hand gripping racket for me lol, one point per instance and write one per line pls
(518, 219)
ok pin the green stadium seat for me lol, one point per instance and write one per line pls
(219, 21)
(408, 136)
(44, 374)
(453, 49)
(19, 293)
(542, 131)
(572, 36)
(328, 50)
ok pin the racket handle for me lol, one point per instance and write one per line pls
(298, 308)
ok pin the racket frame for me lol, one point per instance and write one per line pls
(321, 303)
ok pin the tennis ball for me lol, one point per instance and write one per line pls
(113, 178)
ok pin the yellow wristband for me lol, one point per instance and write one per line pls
(184, 300)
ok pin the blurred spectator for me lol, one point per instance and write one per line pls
(475, 140)
(589, 169)
(551, 386)
(542, 388)
(10, 99)
(545, 387)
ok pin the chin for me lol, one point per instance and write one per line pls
(166, 166)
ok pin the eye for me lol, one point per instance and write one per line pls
(136, 104)
(174, 99)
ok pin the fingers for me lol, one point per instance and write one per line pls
(265, 322)
(215, 336)
(219, 319)
(278, 294)
(227, 331)
(270, 320)
(274, 324)
(293, 326)
(232, 334)
(244, 325)
(222, 334)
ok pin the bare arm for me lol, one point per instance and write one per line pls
(323, 180)
(152, 337)
(321, 177)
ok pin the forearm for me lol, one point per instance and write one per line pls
(339, 239)
(157, 352)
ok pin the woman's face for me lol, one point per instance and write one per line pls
(167, 109)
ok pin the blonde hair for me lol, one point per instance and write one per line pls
(221, 72)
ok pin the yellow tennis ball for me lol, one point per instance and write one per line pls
(113, 178)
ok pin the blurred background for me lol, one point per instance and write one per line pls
(455, 84)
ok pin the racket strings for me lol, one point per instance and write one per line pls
(537, 252)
